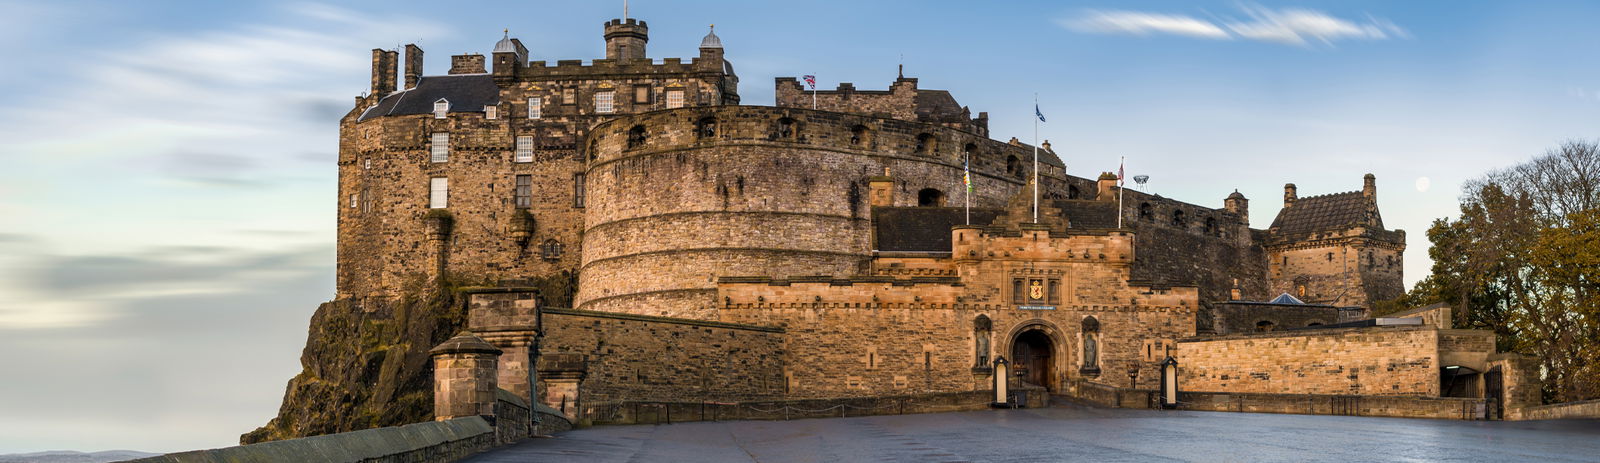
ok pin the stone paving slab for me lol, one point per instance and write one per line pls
(1071, 433)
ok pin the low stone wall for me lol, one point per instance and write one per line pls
(1305, 404)
(1449, 408)
(434, 441)
(645, 412)
(1569, 410)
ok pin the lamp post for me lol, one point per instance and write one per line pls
(1133, 376)
(1169, 382)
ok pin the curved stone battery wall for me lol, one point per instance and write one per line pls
(680, 197)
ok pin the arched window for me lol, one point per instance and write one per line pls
(1265, 326)
(1014, 166)
(926, 143)
(706, 127)
(859, 136)
(930, 197)
(1178, 220)
(1146, 212)
(1072, 192)
(784, 130)
(637, 137)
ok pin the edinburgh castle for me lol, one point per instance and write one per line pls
(628, 229)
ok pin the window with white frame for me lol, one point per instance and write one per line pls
(352, 201)
(438, 192)
(535, 108)
(440, 107)
(524, 148)
(674, 99)
(602, 102)
(440, 148)
(524, 193)
(491, 112)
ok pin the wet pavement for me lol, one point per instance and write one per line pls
(1070, 433)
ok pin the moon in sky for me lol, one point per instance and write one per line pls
(1423, 183)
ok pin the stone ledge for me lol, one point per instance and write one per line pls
(435, 441)
(650, 318)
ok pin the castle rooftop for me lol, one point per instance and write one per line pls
(465, 92)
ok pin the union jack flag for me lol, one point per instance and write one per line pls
(811, 80)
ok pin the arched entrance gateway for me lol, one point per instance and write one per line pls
(1031, 355)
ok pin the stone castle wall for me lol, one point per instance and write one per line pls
(1358, 361)
(624, 357)
(1343, 269)
(672, 212)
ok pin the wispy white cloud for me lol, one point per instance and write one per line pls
(1138, 23)
(1290, 26)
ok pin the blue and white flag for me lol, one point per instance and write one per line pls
(1036, 112)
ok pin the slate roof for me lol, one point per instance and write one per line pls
(1323, 213)
(1285, 298)
(922, 229)
(936, 105)
(466, 93)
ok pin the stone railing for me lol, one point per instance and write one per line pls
(652, 412)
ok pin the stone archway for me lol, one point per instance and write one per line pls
(1037, 353)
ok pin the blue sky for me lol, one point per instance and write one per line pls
(169, 190)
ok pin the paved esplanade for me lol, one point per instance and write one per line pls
(1071, 433)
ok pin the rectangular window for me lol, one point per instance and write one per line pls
(438, 192)
(641, 94)
(524, 191)
(1055, 291)
(491, 112)
(366, 200)
(1017, 295)
(524, 148)
(602, 102)
(535, 108)
(674, 99)
(577, 190)
(569, 96)
(352, 201)
(440, 148)
(440, 108)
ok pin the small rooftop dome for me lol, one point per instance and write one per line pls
(505, 45)
(711, 40)
(1236, 195)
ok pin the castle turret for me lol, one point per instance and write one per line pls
(383, 69)
(1237, 204)
(711, 45)
(625, 38)
(413, 65)
(509, 55)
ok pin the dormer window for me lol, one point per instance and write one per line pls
(440, 108)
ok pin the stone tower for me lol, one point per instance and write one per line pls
(625, 38)
(1333, 249)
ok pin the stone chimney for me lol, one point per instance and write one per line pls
(383, 70)
(1107, 184)
(468, 64)
(882, 189)
(413, 65)
(464, 377)
(625, 39)
(1288, 194)
(1369, 186)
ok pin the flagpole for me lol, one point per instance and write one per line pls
(1036, 159)
(1121, 167)
(813, 94)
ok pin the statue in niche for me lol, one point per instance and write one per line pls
(1091, 352)
(980, 327)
